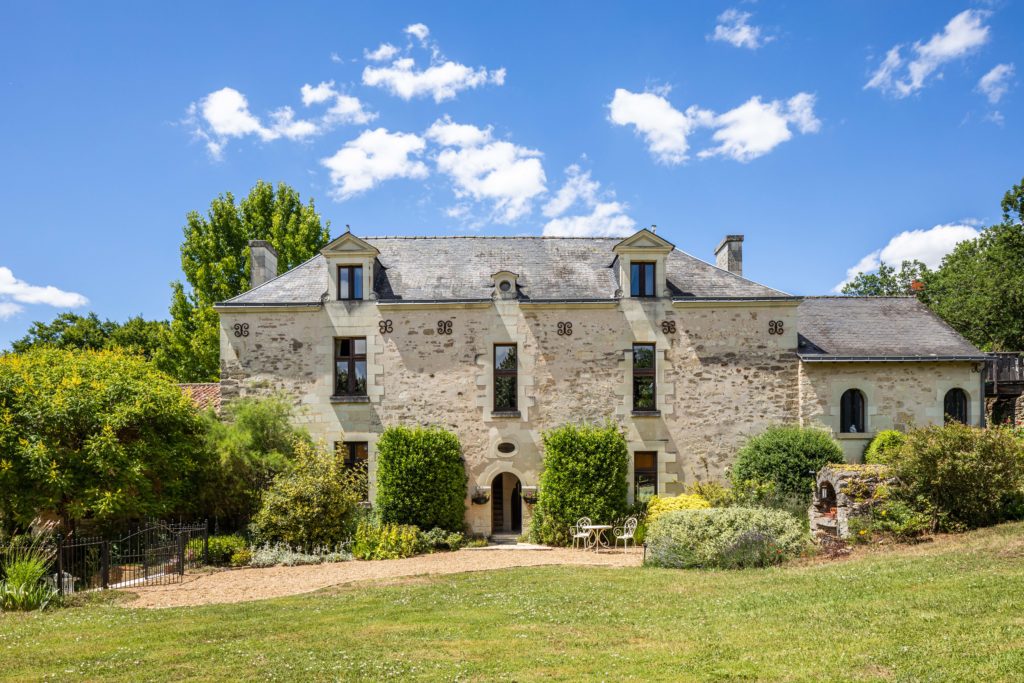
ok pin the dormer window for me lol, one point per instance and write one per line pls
(641, 278)
(350, 283)
(506, 284)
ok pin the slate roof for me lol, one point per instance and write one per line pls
(460, 269)
(880, 328)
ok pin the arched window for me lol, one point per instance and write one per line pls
(955, 406)
(851, 412)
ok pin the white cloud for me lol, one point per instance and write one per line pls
(345, 108)
(928, 246)
(373, 157)
(317, 94)
(607, 218)
(962, 35)
(14, 292)
(733, 28)
(996, 82)
(578, 187)
(755, 128)
(744, 133)
(9, 310)
(447, 133)
(664, 127)
(506, 175)
(383, 53)
(225, 114)
(420, 31)
(441, 81)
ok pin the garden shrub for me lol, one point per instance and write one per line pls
(281, 554)
(241, 557)
(787, 455)
(961, 477)
(657, 505)
(884, 447)
(94, 435)
(715, 494)
(315, 503)
(250, 442)
(421, 478)
(724, 538)
(24, 584)
(893, 519)
(221, 548)
(584, 475)
(385, 541)
(440, 539)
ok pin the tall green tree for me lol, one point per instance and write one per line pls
(888, 281)
(215, 260)
(94, 435)
(979, 289)
(87, 332)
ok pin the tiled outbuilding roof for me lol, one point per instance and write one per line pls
(203, 394)
(460, 269)
(879, 328)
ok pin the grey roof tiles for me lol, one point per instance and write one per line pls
(848, 327)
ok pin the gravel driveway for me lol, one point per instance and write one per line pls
(240, 585)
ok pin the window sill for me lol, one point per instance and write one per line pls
(350, 399)
(855, 436)
(506, 414)
(646, 413)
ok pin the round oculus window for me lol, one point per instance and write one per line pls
(505, 285)
(506, 447)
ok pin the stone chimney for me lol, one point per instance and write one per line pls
(262, 262)
(729, 254)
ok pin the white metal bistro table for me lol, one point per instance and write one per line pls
(597, 539)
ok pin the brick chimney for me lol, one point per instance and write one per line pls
(262, 262)
(729, 254)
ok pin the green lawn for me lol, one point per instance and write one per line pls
(951, 610)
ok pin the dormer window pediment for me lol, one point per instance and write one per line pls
(506, 284)
(642, 259)
(350, 262)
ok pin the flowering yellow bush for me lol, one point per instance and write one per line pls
(686, 501)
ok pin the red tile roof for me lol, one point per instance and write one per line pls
(203, 394)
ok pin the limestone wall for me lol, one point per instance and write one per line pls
(721, 377)
(899, 396)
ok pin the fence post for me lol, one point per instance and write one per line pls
(181, 552)
(105, 564)
(206, 543)
(60, 564)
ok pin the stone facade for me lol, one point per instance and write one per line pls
(727, 368)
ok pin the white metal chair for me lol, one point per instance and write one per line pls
(625, 533)
(579, 534)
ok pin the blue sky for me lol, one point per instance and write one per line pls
(830, 134)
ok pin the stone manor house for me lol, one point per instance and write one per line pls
(501, 338)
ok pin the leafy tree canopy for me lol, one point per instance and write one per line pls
(215, 260)
(88, 332)
(979, 289)
(94, 435)
(888, 281)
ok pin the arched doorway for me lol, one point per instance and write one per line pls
(506, 504)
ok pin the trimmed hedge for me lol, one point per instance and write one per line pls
(884, 448)
(421, 478)
(787, 455)
(724, 538)
(584, 475)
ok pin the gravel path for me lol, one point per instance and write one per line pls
(240, 585)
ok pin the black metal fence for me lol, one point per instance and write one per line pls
(158, 553)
